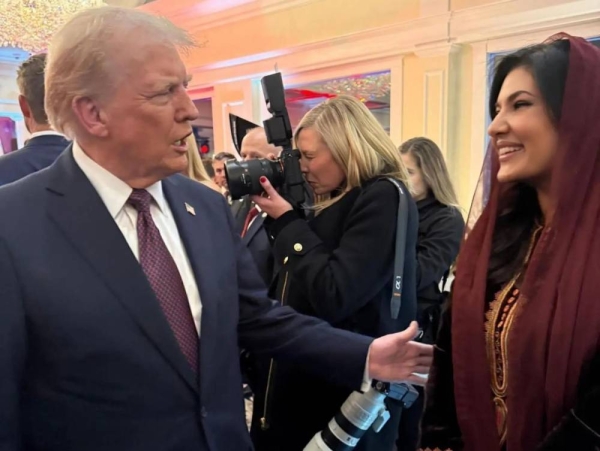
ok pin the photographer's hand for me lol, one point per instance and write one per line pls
(271, 202)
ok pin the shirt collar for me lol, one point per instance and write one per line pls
(46, 133)
(113, 191)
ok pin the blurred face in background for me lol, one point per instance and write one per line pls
(419, 188)
(219, 168)
(320, 170)
(255, 146)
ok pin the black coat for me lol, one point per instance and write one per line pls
(441, 230)
(337, 266)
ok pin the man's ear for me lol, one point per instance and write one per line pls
(24, 105)
(90, 115)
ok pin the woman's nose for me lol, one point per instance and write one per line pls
(498, 126)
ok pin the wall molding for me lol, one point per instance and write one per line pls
(437, 36)
(385, 42)
(515, 17)
(431, 77)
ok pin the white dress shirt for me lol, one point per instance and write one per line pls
(114, 192)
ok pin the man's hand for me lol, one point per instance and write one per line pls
(396, 358)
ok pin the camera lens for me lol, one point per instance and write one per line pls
(243, 177)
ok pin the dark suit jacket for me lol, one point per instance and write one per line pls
(39, 153)
(337, 266)
(87, 359)
(257, 241)
(239, 210)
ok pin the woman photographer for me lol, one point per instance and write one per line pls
(337, 266)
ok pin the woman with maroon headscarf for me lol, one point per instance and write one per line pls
(517, 365)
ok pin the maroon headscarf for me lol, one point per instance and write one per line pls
(557, 330)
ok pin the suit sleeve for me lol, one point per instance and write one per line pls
(437, 250)
(339, 282)
(267, 328)
(12, 351)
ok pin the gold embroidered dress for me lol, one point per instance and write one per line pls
(499, 320)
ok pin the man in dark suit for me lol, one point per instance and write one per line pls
(251, 226)
(125, 290)
(45, 145)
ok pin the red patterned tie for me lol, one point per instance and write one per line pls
(253, 213)
(163, 275)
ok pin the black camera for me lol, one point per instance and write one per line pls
(243, 177)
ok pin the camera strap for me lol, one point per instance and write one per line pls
(401, 227)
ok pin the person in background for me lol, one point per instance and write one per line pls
(252, 230)
(441, 228)
(44, 145)
(517, 361)
(337, 266)
(238, 208)
(195, 169)
(218, 164)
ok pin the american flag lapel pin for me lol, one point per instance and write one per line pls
(190, 209)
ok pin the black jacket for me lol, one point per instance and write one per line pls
(441, 230)
(337, 266)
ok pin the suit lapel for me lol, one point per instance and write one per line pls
(77, 209)
(254, 228)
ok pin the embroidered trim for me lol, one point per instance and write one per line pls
(499, 320)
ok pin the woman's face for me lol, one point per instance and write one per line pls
(522, 132)
(418, 187)
(320, 170)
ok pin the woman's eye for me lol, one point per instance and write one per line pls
(521, 104)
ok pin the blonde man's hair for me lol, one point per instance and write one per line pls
(358, 144)
(430, 160)
(83, 56)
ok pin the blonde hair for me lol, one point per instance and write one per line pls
(358, 144)
(430, 160)
(82, 56)
(196, 170)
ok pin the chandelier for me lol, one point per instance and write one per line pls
(30, 24)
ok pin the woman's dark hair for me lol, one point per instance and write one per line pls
(548, 63)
